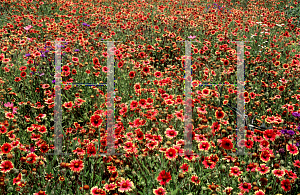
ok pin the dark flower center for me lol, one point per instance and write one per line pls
(124, 185)
(269, 135)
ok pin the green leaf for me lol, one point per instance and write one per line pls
(144, 191)
(130, 176)
(145, 168)
(175, 192)
(140, 192)
(49, 168)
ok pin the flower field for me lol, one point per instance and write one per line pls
(148, 41)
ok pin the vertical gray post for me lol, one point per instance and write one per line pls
(110, 99)
(188, 136)
(240, 99)
(188, 100)
(57, 105)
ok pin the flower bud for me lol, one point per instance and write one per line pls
(86, 187)
(9, 156)
(255, 188)
(276, 166)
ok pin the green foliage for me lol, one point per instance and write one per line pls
(291, 12)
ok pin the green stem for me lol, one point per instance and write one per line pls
(140, 167)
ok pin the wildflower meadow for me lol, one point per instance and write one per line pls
(158, 97)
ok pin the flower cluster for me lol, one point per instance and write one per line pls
(151, 128)
(215, 5)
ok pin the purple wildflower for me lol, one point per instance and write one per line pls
(291, 132)
(296, 114)
(31, 149)
(284, 131)
(281, 150)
